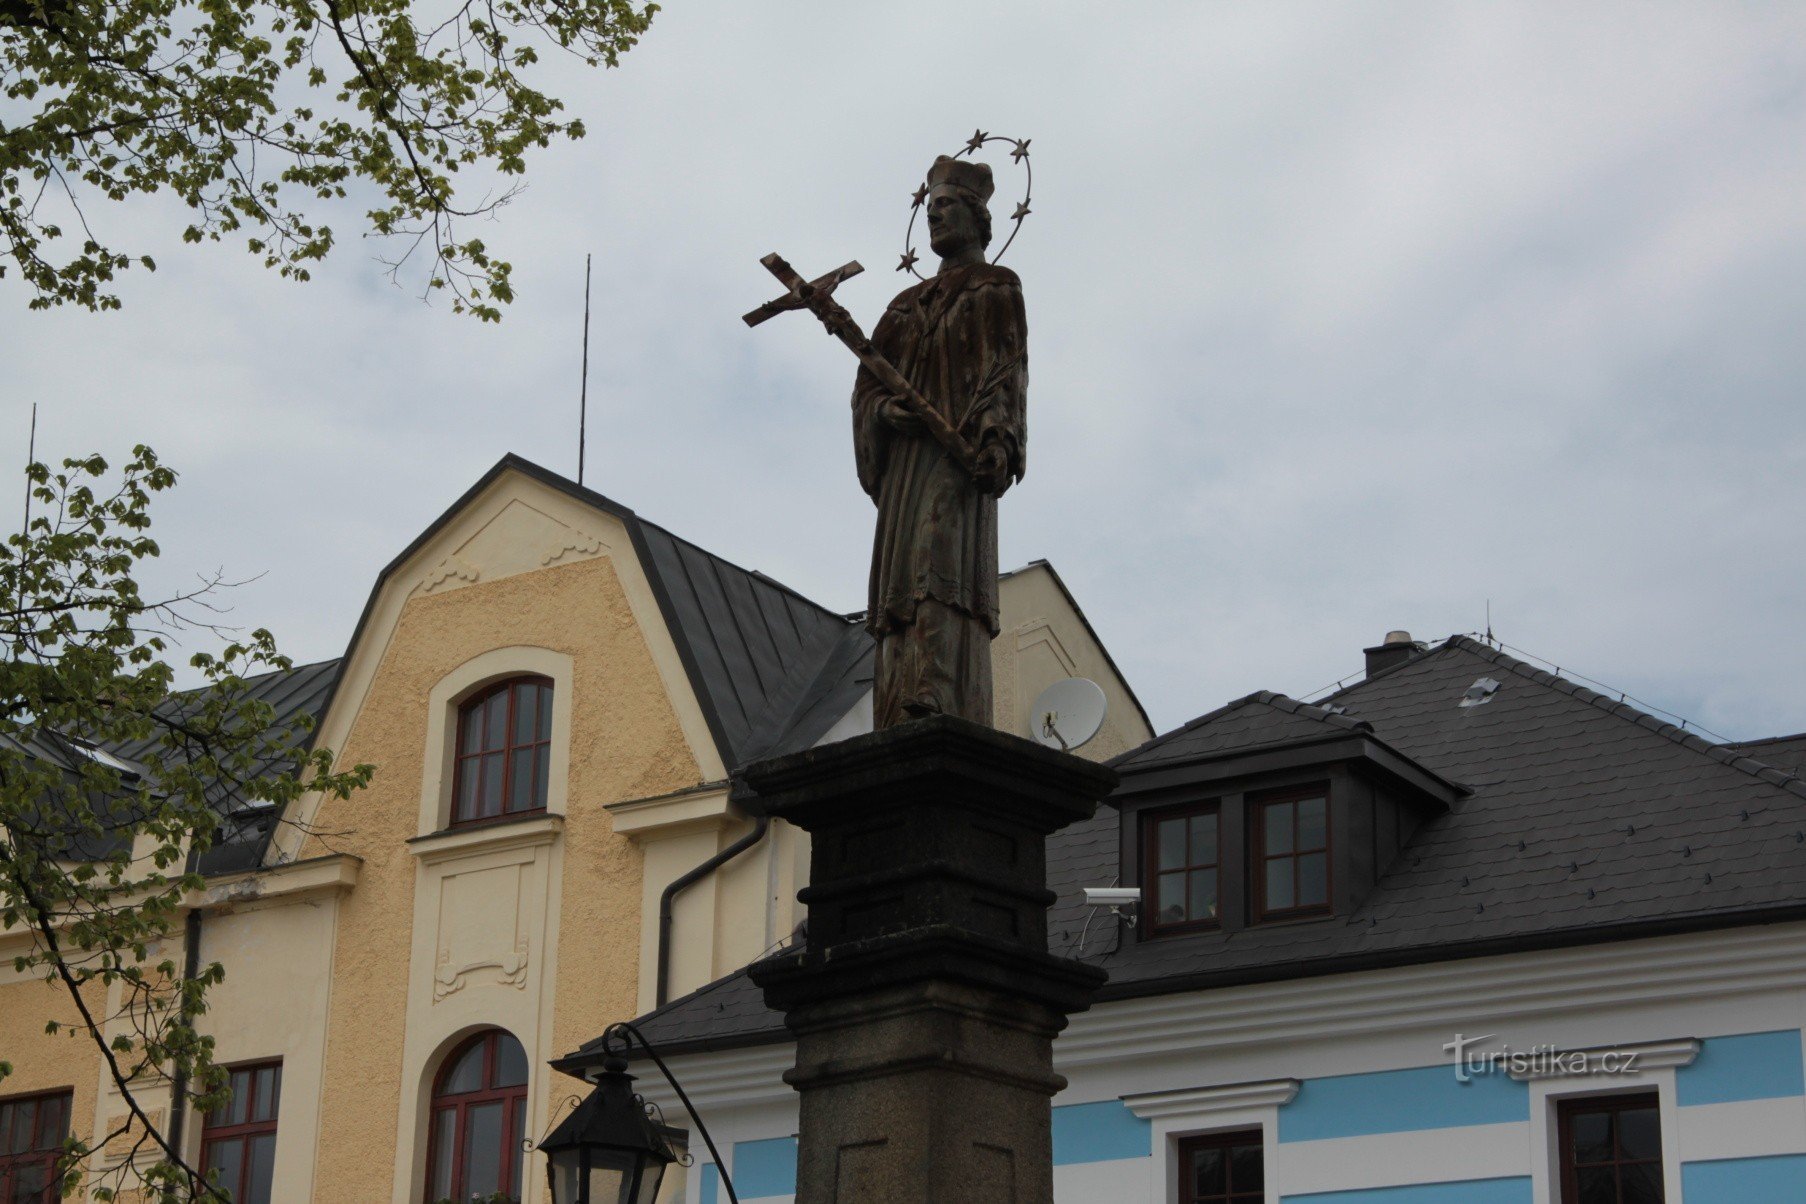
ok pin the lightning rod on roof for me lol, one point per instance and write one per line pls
(583, 389)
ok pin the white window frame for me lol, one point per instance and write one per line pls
(1200, 1111)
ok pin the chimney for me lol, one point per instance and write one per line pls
(1397, 648)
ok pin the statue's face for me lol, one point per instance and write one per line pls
(952, 226)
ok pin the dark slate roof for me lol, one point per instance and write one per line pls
(1585, 820)
(764, 661)
(755, 650)
(245, 826)
(1260, 720)
(1783, 752)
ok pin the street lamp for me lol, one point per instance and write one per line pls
(612, 1149)
(608, 1151)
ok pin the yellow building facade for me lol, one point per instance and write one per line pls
(367, 941)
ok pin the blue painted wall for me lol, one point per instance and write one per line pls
(1742, 1180)
(765, 1168)
(1400, 1101)
(1101, 1132)
(1750, 1066)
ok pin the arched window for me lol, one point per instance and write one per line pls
(504, 751)
(478, 1119)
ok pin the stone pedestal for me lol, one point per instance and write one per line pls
(924, 1002)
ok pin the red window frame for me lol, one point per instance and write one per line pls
(1257, 818)
(37, 1149)
(1152, 872)
(1613, 1106)
(471, 803)
(512, 1097)
(1233, 1191)
(249, 1115)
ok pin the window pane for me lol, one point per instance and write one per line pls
(1171, 839)
(227, 1157)
(483, 1149)
(1207, 1171)
(1592, 1136)
(510, 1062)
(544, 731)
(31, 1183)
(1597, 1185)
(1279, 828)
(1640, 1135)
(467, 1074)
(1172, 898)
(6, 1128)
(495, 720)
(262, 1170)
(1640, 1184)
(25, 1119)
(1312, 831)
(1203, 902)
(469, 779)
(542, 761)
(269, 1088)
(520, 789)
(53, 1123)
(444, 1138)
(526, 713)
(471, 739)
(1279, 885)
(1247, 1170)
(492, 785)
(239, 1110)
(520, 1126)
(1204, 839)
(1313, 880)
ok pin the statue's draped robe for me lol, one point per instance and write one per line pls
(961, 339)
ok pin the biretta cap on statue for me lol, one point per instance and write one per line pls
(974, 178)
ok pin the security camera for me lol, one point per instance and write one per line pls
(1112, 896)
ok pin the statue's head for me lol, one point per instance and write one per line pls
(959, 220)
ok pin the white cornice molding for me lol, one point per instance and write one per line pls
(1607, 1059)
(1657, 970)
(697, 809)
(486, 838)
(1654, 970)
(1201, 1102)
(333, 874)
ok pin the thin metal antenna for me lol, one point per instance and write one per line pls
(1489, 638)
(583, 395)
(31, 457)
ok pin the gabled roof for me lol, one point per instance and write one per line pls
(751, 647)
(1587, 820)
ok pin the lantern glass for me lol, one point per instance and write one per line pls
(611, 1176)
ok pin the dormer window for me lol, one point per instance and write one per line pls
(1291, 854)
(1181, 848)
(504, 751)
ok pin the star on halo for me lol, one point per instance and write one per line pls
(909, 261)
(921, 195)
(1022, 211)
(1021, 151)
(976, 140)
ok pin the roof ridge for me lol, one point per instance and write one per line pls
(1722, 753)
(1311, 710)
(1270, 698)
(1763, 740)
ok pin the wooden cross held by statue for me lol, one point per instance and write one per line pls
(817, 296)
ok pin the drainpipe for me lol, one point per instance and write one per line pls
(178, 1087)
(668, 899)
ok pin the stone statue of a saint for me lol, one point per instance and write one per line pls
(961, 339)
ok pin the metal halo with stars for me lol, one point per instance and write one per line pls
(978, 139)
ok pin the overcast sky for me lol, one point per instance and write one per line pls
(1343, 318)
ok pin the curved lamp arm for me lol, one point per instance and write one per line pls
(623, 1035)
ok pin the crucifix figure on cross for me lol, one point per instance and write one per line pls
(940, 416)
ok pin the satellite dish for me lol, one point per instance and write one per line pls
(1068, 714)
